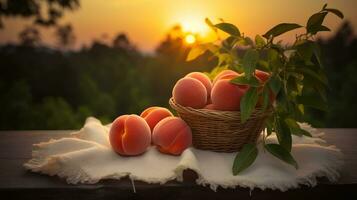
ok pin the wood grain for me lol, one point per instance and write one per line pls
(15, 181)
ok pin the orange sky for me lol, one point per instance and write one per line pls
(147, 21)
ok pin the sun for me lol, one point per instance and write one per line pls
(190, 38)
(194, 26)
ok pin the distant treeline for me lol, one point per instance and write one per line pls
(43, 88)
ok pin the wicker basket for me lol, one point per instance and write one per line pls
(221, 131)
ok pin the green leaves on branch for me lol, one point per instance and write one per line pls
(335, 11)
(314, 24)
(228, 28)
(248, 102)
(296, 80)
(283, 134)
(249, 62)
(198, 50)
(244, 158)
(275, 84)
(295, 128)
(265, 96)
(320, 77)
(280, 29)
(259, 41)
(281, 153)
(243, 80)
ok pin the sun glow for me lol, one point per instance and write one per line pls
(190, 39)
(194, 26)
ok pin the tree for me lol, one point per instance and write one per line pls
(65, 36)
(42, 12)
(121, 41)
(30, 36)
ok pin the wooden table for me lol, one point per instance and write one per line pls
(16, 182)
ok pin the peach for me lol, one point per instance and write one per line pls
(226, 96)
(203, 78)
(223, 73)
(261, 75)
(172, 136)
(130, 135)
(155, 114)
(210, 107)
(190, 92)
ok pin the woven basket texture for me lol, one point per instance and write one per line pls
(221, 131)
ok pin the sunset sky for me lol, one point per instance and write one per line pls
(147, 21)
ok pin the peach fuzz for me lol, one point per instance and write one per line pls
(172, 136)
(190, 92)
(203, 78)
(153, 115)
(130, 135)
(224, 73)
(226, 96)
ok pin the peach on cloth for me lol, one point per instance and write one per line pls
(130, 135)
(153, 115)
(81, 161)
(172, 135)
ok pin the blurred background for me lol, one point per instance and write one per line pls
(64, 60)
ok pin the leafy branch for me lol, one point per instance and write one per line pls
(296, 72)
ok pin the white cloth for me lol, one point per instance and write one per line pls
(87, 158)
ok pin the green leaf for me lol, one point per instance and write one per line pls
(283, 134)
(272, 55)
(201, 49)
(317, 53)
(291, 123)
(306, 133)
(249, 62)
(228, 28)
(315, 21)
(210, 47)
(294, 126)
(265, 95)
(281, 153)
(248, 41)
(229, 42)
(259, 41)
(195, 52)
(248, 102)
(323, 28)
(305, 50)
(275, 84)
(244, 158)
(280, 29)
(242, 80)
(301, 108)
(224, 58)
(335, 11)
(308, 72)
